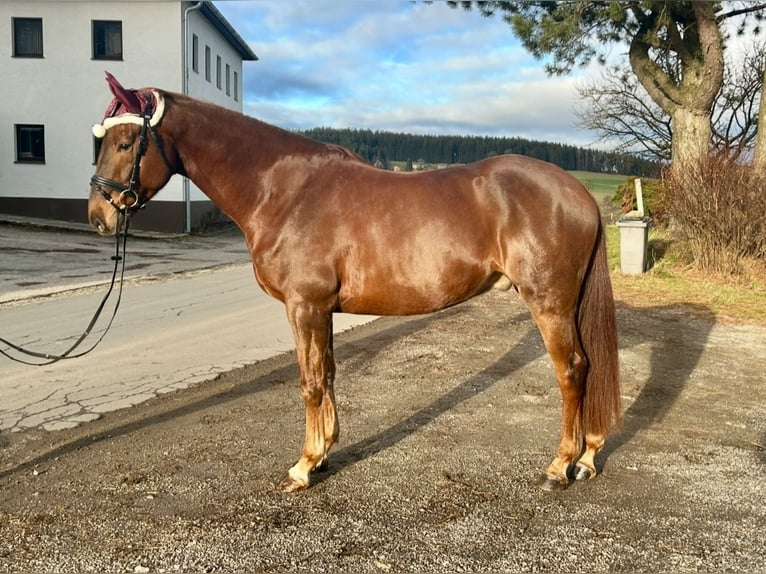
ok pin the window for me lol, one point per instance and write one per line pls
(236, 87)
(30, 143)
(28, 37)
(195, 53)
(107, 40)
(228, 80)
(207, 63)
(218, 72)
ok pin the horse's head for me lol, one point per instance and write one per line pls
(132, 164)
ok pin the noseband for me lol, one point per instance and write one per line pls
(130, 191)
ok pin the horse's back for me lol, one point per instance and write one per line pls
(429, 240)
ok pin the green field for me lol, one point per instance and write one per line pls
(601, 185)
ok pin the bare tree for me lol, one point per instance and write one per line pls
(759, 156)
(620, 111)
(735, 111)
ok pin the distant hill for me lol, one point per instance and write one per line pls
(385, 148)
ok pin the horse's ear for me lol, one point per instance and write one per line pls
(126, 97)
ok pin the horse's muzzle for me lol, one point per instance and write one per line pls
(97, 223)
(101, 215)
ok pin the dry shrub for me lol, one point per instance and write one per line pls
(717, 209)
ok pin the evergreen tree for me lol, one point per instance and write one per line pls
(381, 148)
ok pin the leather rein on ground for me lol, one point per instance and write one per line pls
(50, 358)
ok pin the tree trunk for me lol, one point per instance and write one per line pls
(691, 136)
(687, 97)
(759, 156)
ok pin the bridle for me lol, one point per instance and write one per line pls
(130, 191)
(124, 212)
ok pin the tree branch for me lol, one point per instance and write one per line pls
(741, 11)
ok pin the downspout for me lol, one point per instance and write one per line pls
(185, 65)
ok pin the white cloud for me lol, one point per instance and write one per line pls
(397, 66)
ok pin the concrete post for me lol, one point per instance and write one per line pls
(634, 234)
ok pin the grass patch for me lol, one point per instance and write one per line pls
(671, 281)
(601, 185)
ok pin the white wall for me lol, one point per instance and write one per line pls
(199, 87)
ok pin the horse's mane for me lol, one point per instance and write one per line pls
(332, 149)
(344, 152)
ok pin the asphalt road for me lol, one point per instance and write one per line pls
(39, 258)
(190, 310)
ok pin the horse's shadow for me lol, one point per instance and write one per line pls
(677, 335)
(675, 352)
(527, 349)
(285, 369)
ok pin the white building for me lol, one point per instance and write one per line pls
(53, 90)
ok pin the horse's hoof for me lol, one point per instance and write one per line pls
(582, 472)
(290, 484)
(551, 483)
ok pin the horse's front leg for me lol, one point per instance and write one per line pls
(312, 328)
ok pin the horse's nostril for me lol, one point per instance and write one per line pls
(97, 223)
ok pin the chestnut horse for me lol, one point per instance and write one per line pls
(330, 233)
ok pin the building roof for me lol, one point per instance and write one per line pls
(217, 19)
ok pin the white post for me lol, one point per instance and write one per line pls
(639, 198)
(185, 55)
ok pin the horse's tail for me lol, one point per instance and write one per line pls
(597, 325)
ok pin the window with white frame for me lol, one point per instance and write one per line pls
(195, 53)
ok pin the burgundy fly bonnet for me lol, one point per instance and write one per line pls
(128, 107)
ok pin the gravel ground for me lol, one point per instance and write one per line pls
(447, 422)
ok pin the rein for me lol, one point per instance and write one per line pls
(50, 358)
(124, 211)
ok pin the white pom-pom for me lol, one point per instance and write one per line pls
(99, 131)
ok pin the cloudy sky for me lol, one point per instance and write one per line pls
(398, 66)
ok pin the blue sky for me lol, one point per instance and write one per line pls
(398, 66)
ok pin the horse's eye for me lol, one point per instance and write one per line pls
(123, 147)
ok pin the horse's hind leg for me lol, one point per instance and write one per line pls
(561, 340)
(312, 329)
(586, 466)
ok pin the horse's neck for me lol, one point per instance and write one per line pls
(226, 154)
